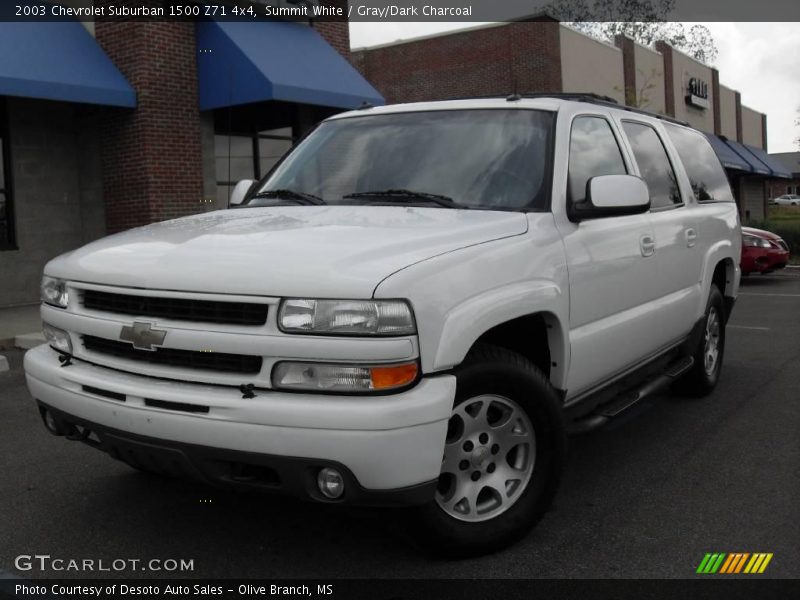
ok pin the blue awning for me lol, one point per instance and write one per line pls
(777, 168)
(758, 167)
(728, 158)
(245, 62)
(59, 61)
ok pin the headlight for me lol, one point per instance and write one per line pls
(58, 338)
(757, 242)
(342, 378)
(346, 317)
(54, 292)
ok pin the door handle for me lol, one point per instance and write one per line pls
(647, 245)
(691, 237)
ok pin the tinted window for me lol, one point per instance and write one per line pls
(705, 172)
(654, 165)
(593, 151)
(480, 158)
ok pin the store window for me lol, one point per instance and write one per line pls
(247, 157)
(6, 210)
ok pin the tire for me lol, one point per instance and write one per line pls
(702, 378)
(505, 409)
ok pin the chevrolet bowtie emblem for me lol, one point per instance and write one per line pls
(142, 336)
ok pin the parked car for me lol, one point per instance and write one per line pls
(787, 200)
(412, 309)
(762, 251)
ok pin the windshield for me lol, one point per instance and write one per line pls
(494, 159)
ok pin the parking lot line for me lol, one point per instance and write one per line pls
(748, 327)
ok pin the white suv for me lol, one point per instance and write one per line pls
(413, 308)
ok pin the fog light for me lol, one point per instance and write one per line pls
(330, 483)
(50, 422)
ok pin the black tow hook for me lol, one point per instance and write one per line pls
(247, 390)
(78, 434)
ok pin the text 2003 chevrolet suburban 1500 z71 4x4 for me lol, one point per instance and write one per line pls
(412, 308)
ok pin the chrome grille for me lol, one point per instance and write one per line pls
(190, 359)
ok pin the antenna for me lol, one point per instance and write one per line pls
(230, 126)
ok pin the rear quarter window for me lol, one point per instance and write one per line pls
(706, 175)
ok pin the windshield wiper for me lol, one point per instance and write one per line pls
(404, 196)
(298, 197)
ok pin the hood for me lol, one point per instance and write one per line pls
(760, 233)
(318, 251)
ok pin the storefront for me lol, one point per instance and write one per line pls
(110, 125)
(542, 55)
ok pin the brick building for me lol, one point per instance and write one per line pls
(542, 55)
(110, 125)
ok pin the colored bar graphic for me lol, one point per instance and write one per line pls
(729, 563)
(765, 563)
(704, 563)
(711, 563)
(718, 563)
(741, 562)
(735, 562)
(749, 567)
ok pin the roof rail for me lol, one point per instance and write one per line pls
(589, 97)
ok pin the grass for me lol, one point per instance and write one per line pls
(785, 222)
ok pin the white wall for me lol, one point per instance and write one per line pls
(649, 79)
(589, 65)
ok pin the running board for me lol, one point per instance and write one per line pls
(604, 413)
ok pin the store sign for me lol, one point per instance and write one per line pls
(697, 93)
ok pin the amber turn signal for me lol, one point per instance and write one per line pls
(384, 378)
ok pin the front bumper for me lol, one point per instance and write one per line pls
(387, 445)
(763, 260)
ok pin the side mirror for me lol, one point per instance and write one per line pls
(611, 196)
(239, 192)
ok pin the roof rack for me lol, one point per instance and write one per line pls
(589, 97)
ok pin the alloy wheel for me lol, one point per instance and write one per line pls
(711, 342)
(490, 452)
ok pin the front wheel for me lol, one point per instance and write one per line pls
(502, 459)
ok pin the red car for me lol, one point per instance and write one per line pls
(762, 251)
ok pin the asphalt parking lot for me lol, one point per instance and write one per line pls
(647, 496)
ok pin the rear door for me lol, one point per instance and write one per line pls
(678, 255)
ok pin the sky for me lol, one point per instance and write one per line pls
(760, 60)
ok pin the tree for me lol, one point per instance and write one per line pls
(644, 21)
(797, 124)
(640, 97)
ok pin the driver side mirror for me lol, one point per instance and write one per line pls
(611, 196)
(240, 192)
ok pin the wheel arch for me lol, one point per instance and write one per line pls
(504, 318)
(724, 277)
(721, 269)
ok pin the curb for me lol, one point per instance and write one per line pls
(26, 341)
